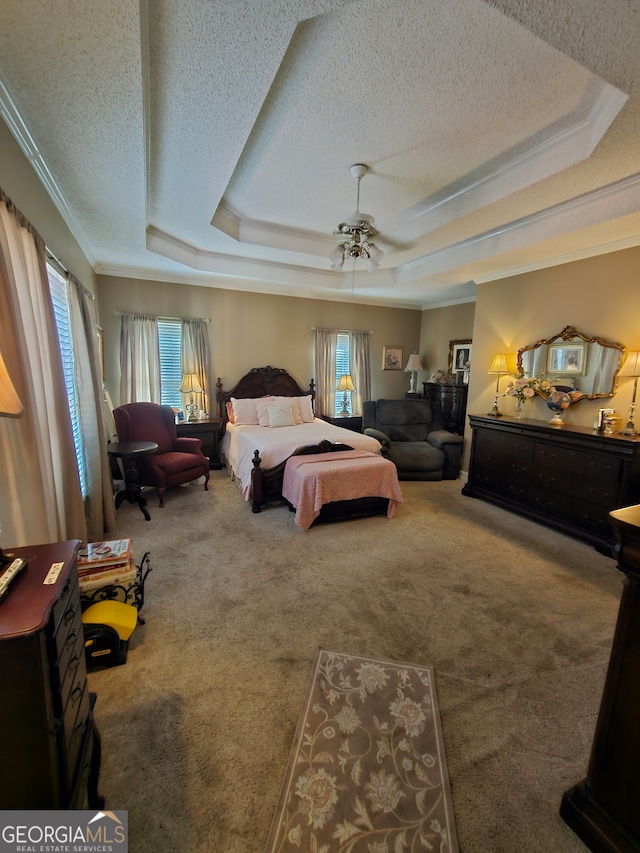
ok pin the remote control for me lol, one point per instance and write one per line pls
(11, 573)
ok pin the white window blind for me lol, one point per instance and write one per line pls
(58, 287)
(342, 365)
(170, 342)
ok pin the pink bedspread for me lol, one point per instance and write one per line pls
(312, 481)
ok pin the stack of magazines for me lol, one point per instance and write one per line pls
(103, 564)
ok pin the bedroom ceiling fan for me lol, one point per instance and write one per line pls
(358, 230)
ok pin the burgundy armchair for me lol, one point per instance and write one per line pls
(176, 461)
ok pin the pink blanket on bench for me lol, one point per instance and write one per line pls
(320, 478)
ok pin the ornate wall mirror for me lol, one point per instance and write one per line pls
(573, 360)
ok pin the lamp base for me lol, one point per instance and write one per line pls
(5, 558)
(495, 412)
(630, 429)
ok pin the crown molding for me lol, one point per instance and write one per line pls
(554, 154)
(27, 143)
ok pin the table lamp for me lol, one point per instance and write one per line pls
(10, 407)
(191, 385)
(345, 385)
(499, 367)
(413, 366)
(631, 367)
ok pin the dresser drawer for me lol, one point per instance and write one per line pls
(74, 672)
(587, 516)
(566, 464)
(76, 723)
(69, 595)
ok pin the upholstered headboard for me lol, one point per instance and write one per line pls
(259, 382)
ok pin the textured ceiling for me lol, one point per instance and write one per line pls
(209, 141)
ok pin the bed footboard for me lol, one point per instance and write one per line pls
(266, 484)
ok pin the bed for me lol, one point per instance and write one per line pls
(255, 453)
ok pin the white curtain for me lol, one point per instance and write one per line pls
(360, 367)
(99, 504)
(139, 359)
(40, 499)
(325, 363)
(195, 359)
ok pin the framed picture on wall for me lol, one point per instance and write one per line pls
(392, 358)
(459, 356)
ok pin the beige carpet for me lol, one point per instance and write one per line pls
(516, 621)
(367, 770)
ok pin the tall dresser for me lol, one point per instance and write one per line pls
(567, 477)
(453, 402)
(49, 746)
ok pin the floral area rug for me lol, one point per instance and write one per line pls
(367, 771)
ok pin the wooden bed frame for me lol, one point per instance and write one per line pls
(266, 484)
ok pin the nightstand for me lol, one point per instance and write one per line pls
(352, 422)
(209, 431)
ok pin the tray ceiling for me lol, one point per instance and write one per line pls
(210, 142)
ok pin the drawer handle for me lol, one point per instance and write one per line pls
(597, 466)
(71, 639)
(73, 663)
(547, 481)
(68, 615)
(76, 694)
(598, 494)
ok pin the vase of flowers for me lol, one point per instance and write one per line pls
(523, 388)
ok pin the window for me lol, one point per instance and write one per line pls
(170, 342)
(342, 365)
(59, 288)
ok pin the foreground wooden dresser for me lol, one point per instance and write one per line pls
(566, 477)
(603, 808)
(49, 746)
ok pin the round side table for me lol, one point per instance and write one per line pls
(128, 451)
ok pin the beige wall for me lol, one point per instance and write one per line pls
(253, 329)
(22, 185)
(439, 327)
(599, 296)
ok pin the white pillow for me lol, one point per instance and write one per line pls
(262, 410)
(280, 415)
(306, 410)
(295, 407)
(244, 411)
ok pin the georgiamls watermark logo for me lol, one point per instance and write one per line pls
(34, 831)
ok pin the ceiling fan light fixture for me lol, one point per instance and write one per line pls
(358, 230)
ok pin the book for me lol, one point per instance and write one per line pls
(119, 576)
(114, 553)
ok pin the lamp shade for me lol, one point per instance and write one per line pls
(10, 405)
(631, 366)
(413, 363)
(499, 364)
(190, 384)
(346, 383)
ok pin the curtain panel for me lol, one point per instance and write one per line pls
(100, 510)
(195, 359)
(139, 359)
(325, 363)
(41, 499)
(360, 366)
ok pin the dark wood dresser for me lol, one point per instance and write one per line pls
(49, 747)
(567, 477)
(453, 401)
(603, 808)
